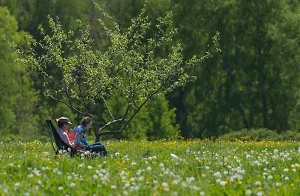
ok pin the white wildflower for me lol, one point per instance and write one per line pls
(218, 175)
(175, 181)
(259, 193)
(222, 183)
(80, 165)
(286, 178)
(141, 178)
(164, 184)
(273, 168)
(270, 177)
(277, 184)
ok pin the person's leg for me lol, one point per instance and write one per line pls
(97, 148)
(96, 143)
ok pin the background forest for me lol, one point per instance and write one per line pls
(252, 83)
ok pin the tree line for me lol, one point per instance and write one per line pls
(251, 82)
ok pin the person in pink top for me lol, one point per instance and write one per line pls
(63, 125)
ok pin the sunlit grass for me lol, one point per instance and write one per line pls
(192, 167)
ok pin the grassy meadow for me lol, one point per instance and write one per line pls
(195, 167)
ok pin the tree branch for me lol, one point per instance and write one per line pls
(146, 100)
(114, 121)
(100, 133)
(108, 108)
(127, 109)
(109, 123)
(71, 106)
(81, 95)
(109, 132)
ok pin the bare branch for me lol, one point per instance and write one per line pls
(109, 132)
(113, 122)
(127, 109)
(82, 97)
(52, 97)
(47, 76)
(146, 100)
(109, 123)
(135, 105)
(108, 108)
(71, 106)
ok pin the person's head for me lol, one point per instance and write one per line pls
(87, 122)
(63, 122)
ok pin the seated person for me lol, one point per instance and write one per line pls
(81, 142)
(63, 124)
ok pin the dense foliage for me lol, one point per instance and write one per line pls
(252, 82)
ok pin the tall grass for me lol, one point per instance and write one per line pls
(194, 167)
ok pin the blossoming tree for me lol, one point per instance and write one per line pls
(131, 67)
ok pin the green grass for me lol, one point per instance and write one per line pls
(154, 168)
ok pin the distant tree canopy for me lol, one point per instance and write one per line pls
(251, 83)
(18, 100)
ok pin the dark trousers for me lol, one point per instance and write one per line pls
(96, 147)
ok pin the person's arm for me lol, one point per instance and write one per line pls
(79, 140)
(66, 139)
(84, 140)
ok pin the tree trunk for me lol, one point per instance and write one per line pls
(264, 107)
(244, 119)
(97, 138)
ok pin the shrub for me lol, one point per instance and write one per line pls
(259, 134)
